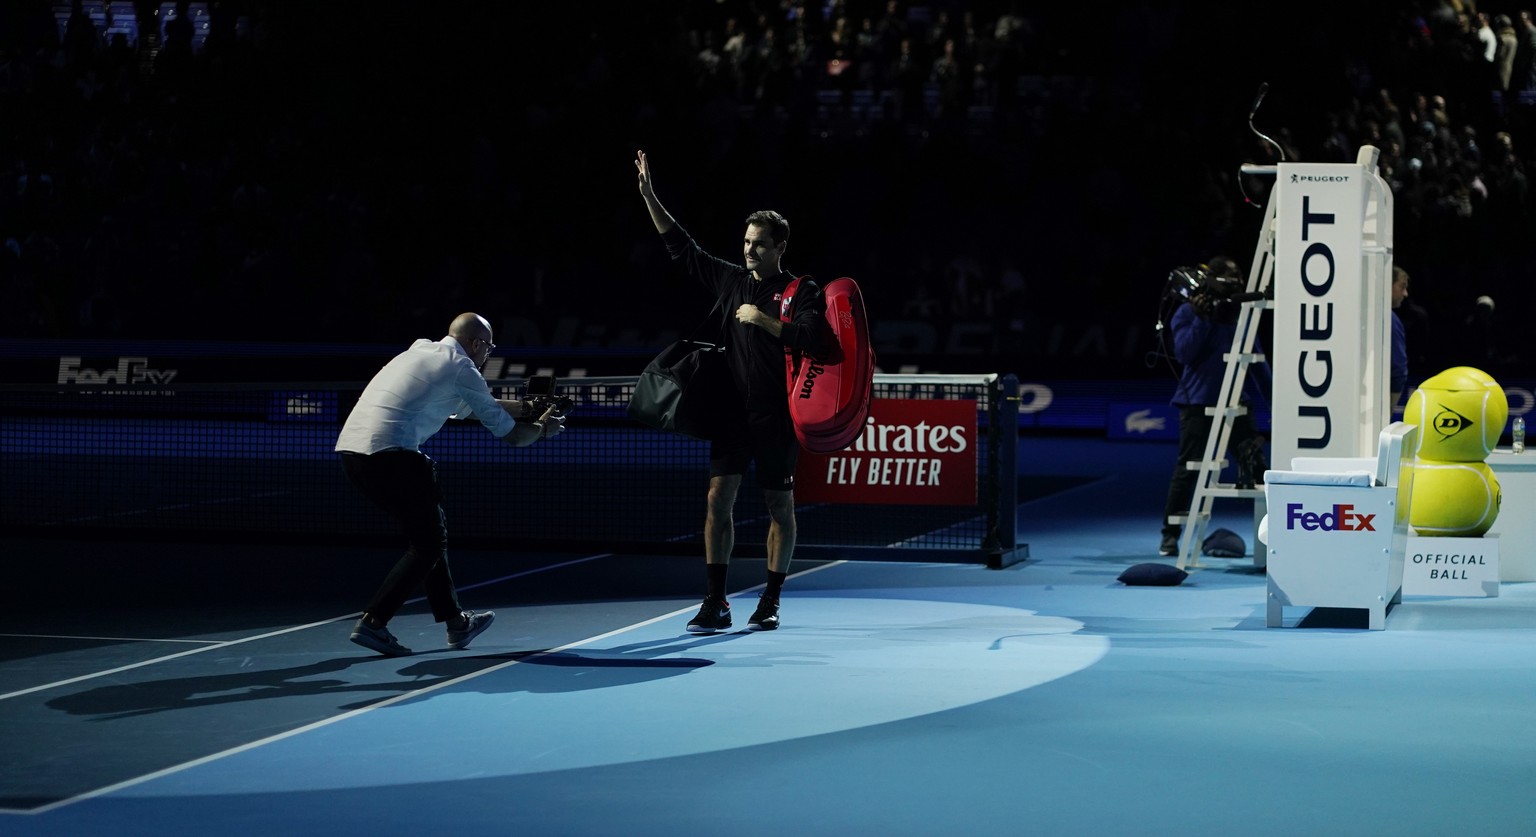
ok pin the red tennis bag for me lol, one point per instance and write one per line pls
(829, 396)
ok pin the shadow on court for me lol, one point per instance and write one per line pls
(140, 721)
(566, 672)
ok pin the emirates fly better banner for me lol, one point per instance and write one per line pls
(912, 452)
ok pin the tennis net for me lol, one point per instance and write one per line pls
(256, 461)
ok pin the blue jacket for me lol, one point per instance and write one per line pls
(1399, 375)
(1199, 344)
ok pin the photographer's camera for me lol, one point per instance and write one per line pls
(539, 396)
(1209, 290)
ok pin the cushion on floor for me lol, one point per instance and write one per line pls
(1153, 575)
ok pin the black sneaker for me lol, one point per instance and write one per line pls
(766, 617)
(474, 625)
(378, 639)
(714, 615)
(1169, 546)
(1251, 463)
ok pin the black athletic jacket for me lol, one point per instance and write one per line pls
(756, 357)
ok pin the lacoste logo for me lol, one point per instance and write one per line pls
(1142, 421)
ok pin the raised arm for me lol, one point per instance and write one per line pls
(659, 215)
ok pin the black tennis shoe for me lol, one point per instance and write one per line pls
(378, 639)
(714, 615)
(766, 617)
(1169, 546)
(474, 625)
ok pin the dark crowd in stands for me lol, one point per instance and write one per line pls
(360, 172)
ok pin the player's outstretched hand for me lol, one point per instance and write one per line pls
(643, 167)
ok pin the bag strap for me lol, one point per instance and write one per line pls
(720, 335)
(786, 314)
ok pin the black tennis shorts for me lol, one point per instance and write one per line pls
(764, 438)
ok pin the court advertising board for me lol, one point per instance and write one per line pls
(912, 452)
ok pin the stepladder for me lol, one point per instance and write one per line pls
(1241, 355)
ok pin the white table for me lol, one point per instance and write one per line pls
(1516, 524)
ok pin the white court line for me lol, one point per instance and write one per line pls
(113, 638)
(93, 675)
(197, 762)
(227, 643)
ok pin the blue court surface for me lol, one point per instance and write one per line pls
(197, 688)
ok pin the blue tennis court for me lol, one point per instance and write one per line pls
(193, 687)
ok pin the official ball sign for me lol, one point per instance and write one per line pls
(1452, 566)
(911, 452)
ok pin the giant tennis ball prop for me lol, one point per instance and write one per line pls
(1460, 413)
(1453, 499)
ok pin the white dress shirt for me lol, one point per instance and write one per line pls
(413, 395)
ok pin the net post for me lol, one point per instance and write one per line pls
(1002, 546)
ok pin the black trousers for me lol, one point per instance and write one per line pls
(404, 483)
(1194, 429)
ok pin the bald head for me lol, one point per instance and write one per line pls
(469, 326)
(474, 334)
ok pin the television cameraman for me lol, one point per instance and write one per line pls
(1203, 327)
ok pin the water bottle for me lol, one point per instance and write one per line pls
(1517, 434)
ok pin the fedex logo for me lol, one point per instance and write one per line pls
(129, 370)
(1341, 519)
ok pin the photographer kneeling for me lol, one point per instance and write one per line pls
(1203, 328)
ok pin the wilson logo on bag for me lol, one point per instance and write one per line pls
(829, 395)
